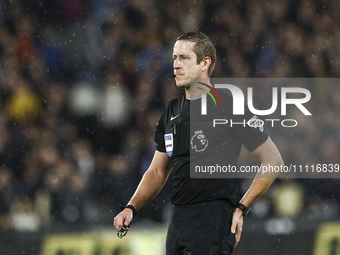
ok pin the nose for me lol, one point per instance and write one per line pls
(177, 64)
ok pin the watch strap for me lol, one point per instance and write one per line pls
(132, 208)
(243, 208)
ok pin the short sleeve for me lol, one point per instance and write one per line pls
(159, 135)
(252, 133)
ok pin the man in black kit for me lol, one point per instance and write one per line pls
(206, 217)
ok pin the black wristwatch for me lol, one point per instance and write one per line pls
(243, 208)
(134, 211)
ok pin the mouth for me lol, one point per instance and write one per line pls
(178, 74)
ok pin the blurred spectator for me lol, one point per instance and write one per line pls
(100, 182)
(82, 155)
(120, 180)
(23, 104)
(288, 198)
(115, 102)
(51, 52)
(25, 50)
(6, 191)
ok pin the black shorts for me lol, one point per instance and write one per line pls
(201, 229)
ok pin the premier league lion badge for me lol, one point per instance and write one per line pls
(199, 142)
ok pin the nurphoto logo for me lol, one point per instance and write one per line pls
(278, 100)
(239, 99)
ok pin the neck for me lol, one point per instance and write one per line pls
(197, 89)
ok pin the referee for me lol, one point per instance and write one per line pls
(206, 217)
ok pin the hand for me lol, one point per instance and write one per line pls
(124, 217)
(236, 225)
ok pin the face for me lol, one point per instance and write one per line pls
(185, 64)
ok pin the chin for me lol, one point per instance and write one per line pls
(183, 84)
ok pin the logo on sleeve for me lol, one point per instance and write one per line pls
(169, 143)
(256, 123)
(199, 142)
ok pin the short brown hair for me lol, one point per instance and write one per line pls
(204, 47)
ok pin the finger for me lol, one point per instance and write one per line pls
(237, 238)
(124, 228)
(236, 242)
(128, 216)
(127, 221)
(233, 227)
(116, 225)
(118, 222)
(233, 224)
(238, 234)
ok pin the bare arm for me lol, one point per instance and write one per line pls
(268, 155)
(150, 185)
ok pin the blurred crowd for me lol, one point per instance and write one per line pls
(83, 83)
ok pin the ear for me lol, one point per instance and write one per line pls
(206, 63)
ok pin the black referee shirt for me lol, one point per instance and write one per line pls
(173, 137)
